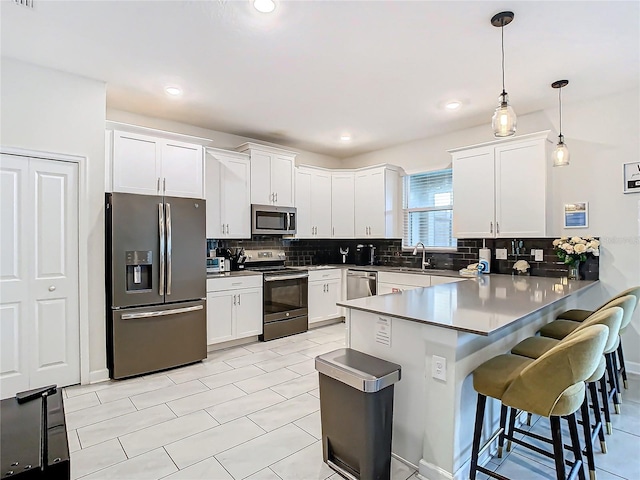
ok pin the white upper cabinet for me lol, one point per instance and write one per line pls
(228, 194)
(500, 189)
(342, 205)
(377, 203)
(272, 174)
(151, 165)
(313, 201)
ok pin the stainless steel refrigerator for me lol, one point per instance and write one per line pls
(155, 282)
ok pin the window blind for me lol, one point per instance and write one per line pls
(428, 209)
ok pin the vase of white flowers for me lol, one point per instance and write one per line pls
(574, 250)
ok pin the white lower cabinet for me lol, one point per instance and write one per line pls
(234, 308)
(325, 288)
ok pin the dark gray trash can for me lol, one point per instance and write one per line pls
(356, 409)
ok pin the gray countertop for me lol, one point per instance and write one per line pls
(239, 273)
(480, 305)
(382, 268)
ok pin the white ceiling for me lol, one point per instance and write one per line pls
(312, 70)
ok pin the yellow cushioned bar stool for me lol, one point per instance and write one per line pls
(534, 347)
(551, 386)
(560, 328)
(577, 315)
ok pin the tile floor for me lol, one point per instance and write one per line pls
(253, 412)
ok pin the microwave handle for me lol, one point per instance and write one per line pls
(288, 221)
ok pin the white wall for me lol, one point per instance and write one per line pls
(601, 135)
(52, 111)
(219, 139)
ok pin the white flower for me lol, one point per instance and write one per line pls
(580, 248)
(564, 239)
(567, 247)
(596, 253)
(577, 240)
(588, 238)
(557, 242)
(593, 244)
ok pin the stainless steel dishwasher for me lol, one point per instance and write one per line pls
(361, 283)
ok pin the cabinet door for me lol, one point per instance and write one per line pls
(182, 169)
(342, 205)
(261, 178)
(136, 163)
(331, 297)
(213, 195)
(316, 294)
(303, 204)
(369, 204)
(521, 189)
(473, 193)
(321, 204)
(248, 312)
(282, 180)
(220, 312)
(236, 197)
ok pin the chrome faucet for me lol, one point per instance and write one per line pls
(425, 262)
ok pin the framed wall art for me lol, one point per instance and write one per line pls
(631, 177)
(576, 215)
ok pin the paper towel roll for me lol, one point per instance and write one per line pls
(484, 259)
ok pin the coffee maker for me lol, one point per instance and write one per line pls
(365, 254)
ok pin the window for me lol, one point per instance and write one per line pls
(428, 210)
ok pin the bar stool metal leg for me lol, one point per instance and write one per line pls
(623, 369)
(503, 423)
(575, 444)
(605, 404)
(586, 426)
(512, 425)
(558, 447)
(613, 382)
(616, 371)
(477, 434)
(599, 426)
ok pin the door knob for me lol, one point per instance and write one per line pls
(52, 288)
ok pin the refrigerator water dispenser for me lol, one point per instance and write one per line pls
(139, 270)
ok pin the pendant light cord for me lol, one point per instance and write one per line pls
(560, 102)
(502, 35)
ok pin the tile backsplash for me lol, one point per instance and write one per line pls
(390, 253)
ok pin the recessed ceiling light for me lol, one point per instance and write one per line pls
(173, 91)
(264, 6)
(453, 105)
(345, 138)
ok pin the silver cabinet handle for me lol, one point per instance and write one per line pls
(276, 197)
(333, 230)
(164, 185)
(234, 299)
(169, 269)
(52, 288)
(161, 313)
(158, 185)
(273, 197)
(227, 228)
(490, 227)
(275, 278)
(223, 228)
(161, 234)
(497, 227)
(238, 299)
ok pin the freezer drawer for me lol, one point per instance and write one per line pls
(148, 339)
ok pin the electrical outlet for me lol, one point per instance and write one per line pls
(439, 368)
(539, 255)
(501, 253)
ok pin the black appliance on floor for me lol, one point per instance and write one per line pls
(33, 434)
(155, 282)
(284, 294)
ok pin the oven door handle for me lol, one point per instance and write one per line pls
(275, 278)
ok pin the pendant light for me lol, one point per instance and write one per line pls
(561, 153)
(504, 118)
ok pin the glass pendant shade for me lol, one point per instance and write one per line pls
(504, 119)
(561, 154)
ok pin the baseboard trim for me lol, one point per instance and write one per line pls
(429, 471)
(632, 367)
(97, 376)
(214, 347)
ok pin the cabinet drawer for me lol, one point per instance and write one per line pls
(233, 283)
(324, 274)
(413, 279)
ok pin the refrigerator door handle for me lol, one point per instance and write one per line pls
(161, 234)
(160, 313)
(168, 249)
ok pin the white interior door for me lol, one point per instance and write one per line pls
(39, 280)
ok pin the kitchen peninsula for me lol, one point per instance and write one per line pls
(439, 335)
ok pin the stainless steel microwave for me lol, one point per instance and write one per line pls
(273, 220)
